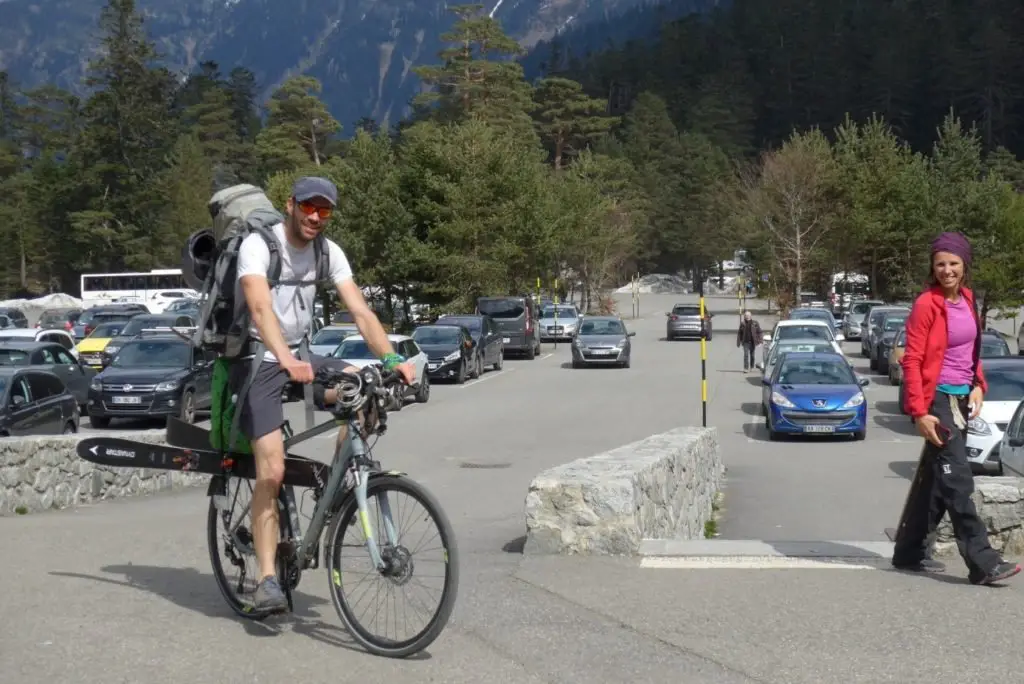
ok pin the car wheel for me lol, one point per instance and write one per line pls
(531, 353)
(476, 370)
(188, 407)
(479, 365)
(501, 360)
(70, 429)
(873, 363)
(423, 393)
(860, 435)
(463, 372)
(577, 364)
(883, 366)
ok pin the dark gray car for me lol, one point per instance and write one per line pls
(601, 340)
(684, 321)
(51, 357)
(516, 319)
(35, 402)
(883, 336)
(868, 338)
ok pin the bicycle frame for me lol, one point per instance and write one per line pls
(350, 455)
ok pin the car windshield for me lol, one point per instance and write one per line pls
(440, 334)
(802, 347)
(354, 349)
(861, 308)
(893, 324)
(563, 312)
(686, 311)
(502, 308)
(990, 348)
(53, 319)
(104, 330)
(792, 332)
(1005, 383)
(140, 323)
(13, 357)
(815, 314)
(815, 372)
(602, 328)
(332, 337)
(154, 354)
(471, 324)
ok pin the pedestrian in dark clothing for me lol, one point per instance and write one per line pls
(748, 337)
(943, 390)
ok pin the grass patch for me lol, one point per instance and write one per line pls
(21, 510)
(710, 529)
(711, 526)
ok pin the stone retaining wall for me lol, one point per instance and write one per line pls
(1000, 502)
(40, 473)
(662, 487)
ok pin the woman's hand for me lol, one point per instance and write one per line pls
(927, 427)
(974, 402)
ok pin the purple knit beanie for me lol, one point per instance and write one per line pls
(953, 243)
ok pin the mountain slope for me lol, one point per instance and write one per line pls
(361, 50)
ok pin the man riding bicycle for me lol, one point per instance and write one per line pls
(281, 320)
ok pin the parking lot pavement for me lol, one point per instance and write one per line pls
(123, 591)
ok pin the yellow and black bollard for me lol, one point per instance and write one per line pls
(703, 355)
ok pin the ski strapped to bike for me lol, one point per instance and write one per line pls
(194, 457)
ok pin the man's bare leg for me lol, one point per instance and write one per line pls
(268, 451)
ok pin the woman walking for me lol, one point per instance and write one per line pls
(943, 390)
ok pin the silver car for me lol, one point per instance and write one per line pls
(558, 322)
(855, 317)
(328, 338)
(684, 321)
(870, 332)
(601, 340)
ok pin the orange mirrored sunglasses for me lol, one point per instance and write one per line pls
(308, 208)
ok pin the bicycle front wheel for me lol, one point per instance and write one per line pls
(406, 574)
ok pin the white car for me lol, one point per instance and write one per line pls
(327, 339)
(801, 329)
(160, 299)
(354, 350)
(61, 337)
(993, 435)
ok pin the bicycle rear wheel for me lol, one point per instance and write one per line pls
(404, 574)
(230, 529)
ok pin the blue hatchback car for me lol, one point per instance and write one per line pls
(814, 394)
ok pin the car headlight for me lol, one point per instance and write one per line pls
(855, 400)
(454, 356)
(579, 343)
(780, 400)
(977, 426)
(111, 350)
(95, 383)
(168, 386)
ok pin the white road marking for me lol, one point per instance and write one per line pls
(489, 376)
(754, 563)
(546, 356)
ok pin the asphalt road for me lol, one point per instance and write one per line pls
(123, 592)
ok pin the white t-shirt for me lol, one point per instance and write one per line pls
(293, 305)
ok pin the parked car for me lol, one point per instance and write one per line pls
(485, 333)
(895, 363)
(55, 335)
(993, 345)
(516, 318)
(355, 351)
(884, 337)
(814, 393)
(1005, 378)
(63, 319)
(16, 316)
(156, 375)
(91, 348)
(874, 317)
(558, 322)
(854, 319)
(602, 340)
(148, 322)
(451, 352)
(816, 314)
(684, 320)
(35, 402)
(327, 339)
(800, 330)
(85, 323)
(52, 358)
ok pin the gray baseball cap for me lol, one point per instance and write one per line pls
(309, 187)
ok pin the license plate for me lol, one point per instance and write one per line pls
(506, 340)
(127, 400)
(558, 330)
(433, 366)
(94, 359)
(819, 428)
(604, 352)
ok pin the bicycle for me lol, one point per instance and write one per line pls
(341, 490)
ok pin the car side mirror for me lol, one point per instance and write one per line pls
(1016, 442)
(766, 338)
(766, 381)
(632, 334)
(668, 314)
(863, 382)
(840, 337)
(17, 400)
(758, 365)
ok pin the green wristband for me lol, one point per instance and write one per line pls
(392, 360)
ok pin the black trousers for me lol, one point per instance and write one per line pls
(748, 355)
(944, 483)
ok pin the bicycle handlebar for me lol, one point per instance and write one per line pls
(354, 388)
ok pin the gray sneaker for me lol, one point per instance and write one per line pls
(269, 597)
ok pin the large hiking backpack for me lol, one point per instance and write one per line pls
(210, 263)
(210, 260)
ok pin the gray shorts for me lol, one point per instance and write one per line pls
(262, 410)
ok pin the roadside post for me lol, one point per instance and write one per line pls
(703, 357)
(634, 289)
(555, 300)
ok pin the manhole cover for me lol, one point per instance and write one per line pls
(485, 466)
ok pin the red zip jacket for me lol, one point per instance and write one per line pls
(926, 347)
